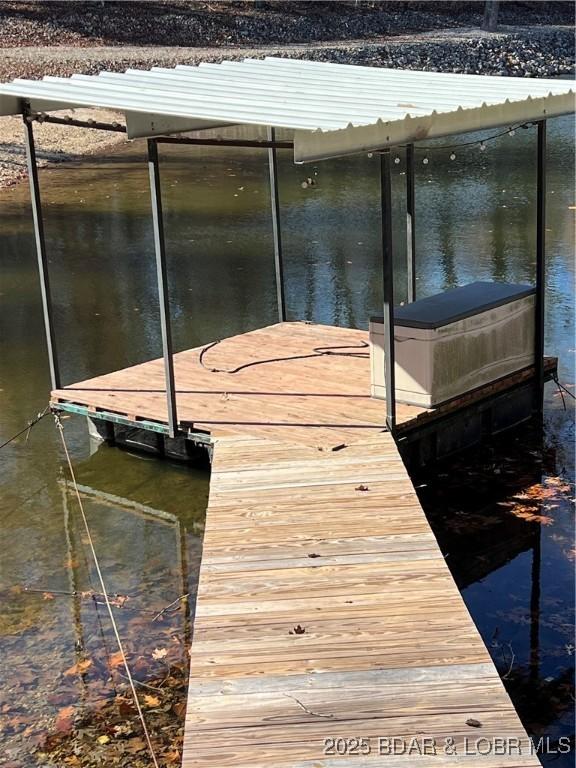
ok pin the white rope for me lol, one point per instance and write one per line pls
(105, 594)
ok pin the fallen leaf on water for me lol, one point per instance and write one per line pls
(125, 729)
(116, 660)
(151, 701)
(559, 483)
(79, 668)
(159, 653)
(135, 745)
(530, 514)
(179, 709)
(119, 600)
(64, 719)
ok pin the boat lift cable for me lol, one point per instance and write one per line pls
(27, 428)
(316, 352)
(562, 389)
(105, 591)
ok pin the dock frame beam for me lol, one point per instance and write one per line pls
(38, 225)
(539, 327)
(162, 280)
(388, 285)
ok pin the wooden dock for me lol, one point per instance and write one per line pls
(303, 383)
(327, 620)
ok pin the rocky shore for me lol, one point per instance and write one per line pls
(539, 50)
(217, 23)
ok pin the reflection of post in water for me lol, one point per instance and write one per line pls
(182, 541)
(72, 567)
(309, 293)
(343, 312)
(499, 260)
(446, 232)
(160, 517)
(535, 605)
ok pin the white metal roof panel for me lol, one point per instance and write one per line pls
(334, 109)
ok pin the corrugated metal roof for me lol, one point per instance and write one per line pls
(334, 109)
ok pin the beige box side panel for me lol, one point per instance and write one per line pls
(433, 366)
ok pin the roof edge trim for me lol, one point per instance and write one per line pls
(311, 146)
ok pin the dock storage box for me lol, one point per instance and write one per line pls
(453, 342)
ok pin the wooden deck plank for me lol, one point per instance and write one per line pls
(325, 611)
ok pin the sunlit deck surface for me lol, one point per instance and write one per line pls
(298, 382)
(325, 607)
(326, 610)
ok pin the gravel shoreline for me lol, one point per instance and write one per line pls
(541, 51)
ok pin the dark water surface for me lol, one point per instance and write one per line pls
(503, 515)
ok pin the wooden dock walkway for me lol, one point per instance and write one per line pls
(326, 612)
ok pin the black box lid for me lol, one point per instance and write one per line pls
(456, 304)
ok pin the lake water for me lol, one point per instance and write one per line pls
(503, 514)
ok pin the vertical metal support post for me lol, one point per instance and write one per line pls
(162, 279)
(388, 286)
(41, 254)
(540, 266)
(276, 233)
(410, 225)
(535, 605)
